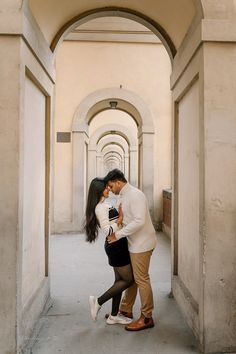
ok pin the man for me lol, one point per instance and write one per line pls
(139, 230)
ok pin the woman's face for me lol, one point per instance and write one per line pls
(106, 192)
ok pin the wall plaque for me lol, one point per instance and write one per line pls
(63, 137)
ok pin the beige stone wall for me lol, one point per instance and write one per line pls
(33, 161)
(220, 197)
(83, 68)
(9, 181)
(208, 53)
(187, 199)
(33, 211)
(188, 182)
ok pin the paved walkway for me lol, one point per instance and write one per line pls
(79, 269)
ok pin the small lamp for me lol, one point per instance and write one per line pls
(113, 104)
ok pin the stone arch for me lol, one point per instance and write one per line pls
(211, 239)
(110, 11)
(121, 142)
(109, 148)
(113, 139)
(114, 151)
(116, 129)
(113, 162)
(117, 143)
(111, 154)
(95, 155)
(84, 145)
(127, 101)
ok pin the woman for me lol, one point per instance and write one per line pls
(100, 214)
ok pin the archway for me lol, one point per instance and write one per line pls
(99, 101)
(116, 12)
(197, 46)
(116, 140)
(116, 134)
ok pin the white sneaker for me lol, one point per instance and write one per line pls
(119, 319)
(94, 307)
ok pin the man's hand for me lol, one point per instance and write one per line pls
(120, 218)
(112, 238)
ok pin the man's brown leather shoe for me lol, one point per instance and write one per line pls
(140, 324)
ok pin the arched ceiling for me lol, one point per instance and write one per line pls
(113, 139)
(113, 148)
(173, 17)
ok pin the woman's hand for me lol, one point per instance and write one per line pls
(112, 238)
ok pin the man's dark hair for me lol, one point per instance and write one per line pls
(115, 175)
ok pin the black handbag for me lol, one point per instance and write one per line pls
(113, 214)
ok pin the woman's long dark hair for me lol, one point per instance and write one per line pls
(95, 193)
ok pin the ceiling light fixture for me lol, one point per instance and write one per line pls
(113, 104)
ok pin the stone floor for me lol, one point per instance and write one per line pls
(78, 269)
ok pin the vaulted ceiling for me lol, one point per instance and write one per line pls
(172, 18)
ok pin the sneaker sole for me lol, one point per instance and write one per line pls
(113, 323)
(91, 304)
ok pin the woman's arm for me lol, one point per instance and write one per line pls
(102, 214)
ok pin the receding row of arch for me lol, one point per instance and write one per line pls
(112, 145)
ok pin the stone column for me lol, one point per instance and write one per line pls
(147, 168)
(9, 184)
(100, 170)
(92, 163)
(125, 162)
(219, 230)
(133, 165)
(203, 232)
(23, 77)
(80, 177)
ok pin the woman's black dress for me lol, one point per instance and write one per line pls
(117, 252)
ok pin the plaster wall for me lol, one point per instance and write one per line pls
(187, 234)
(9, 182)
(222, 9)
(220, 197)
(22, 299)
(32, 282)
(34, 191)
(110, 117)
(188, 190)
(83, 68)
(215, 329)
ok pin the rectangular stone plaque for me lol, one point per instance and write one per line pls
(63, 137)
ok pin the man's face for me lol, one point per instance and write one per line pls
(114, 186)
